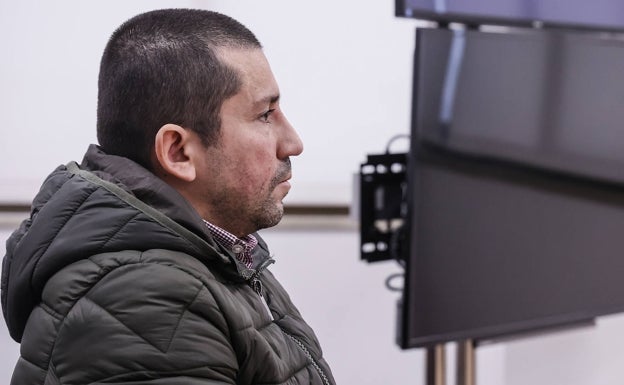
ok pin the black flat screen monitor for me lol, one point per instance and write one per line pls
(515, 184)
(595, 14)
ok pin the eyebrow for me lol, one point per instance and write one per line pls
(269, 99)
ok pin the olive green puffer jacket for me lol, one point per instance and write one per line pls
(115, 280)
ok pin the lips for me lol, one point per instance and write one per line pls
(284, 173)
(285, 182)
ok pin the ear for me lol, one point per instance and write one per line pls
(172, 148)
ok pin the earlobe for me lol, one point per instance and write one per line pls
(171, 147)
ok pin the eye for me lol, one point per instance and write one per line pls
(265, 117)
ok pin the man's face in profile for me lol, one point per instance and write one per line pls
(244, 176)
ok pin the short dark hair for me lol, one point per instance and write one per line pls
(161, 67)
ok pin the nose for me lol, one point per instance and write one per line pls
(290, 142)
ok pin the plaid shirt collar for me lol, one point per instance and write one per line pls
(241, 247)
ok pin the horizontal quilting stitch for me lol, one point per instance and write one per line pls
(118, 229)
(30, 363)
(50, 311)
(287, 377)
(156, 373)
(124, 325)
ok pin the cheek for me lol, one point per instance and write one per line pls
(261, 166)
(254, 175)
(262, 178)
(253, 164)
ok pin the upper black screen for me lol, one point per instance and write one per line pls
(551, 100)
(595, 14)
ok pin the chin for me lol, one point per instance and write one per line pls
(270, 215)
(278, 213)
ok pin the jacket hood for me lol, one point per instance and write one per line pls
(106, 204)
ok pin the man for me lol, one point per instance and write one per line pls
(141, 265)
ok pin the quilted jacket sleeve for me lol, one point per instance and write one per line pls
(121, 320)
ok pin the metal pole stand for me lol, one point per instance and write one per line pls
(436, 365)
(466, 373)
(465, 365)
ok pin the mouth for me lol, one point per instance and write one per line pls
(283, 175)
(285, 182)
(284, 185)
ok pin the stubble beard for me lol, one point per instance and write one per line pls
(270, 212)
(242, 215)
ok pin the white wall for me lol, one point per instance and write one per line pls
(344, 68)
(587, 356)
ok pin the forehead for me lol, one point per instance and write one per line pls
(254, 70)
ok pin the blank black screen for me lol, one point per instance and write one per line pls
(516, 202)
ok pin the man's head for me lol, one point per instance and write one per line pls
(161, 67)
(190, 95)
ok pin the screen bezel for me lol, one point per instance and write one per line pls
(474, 19)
